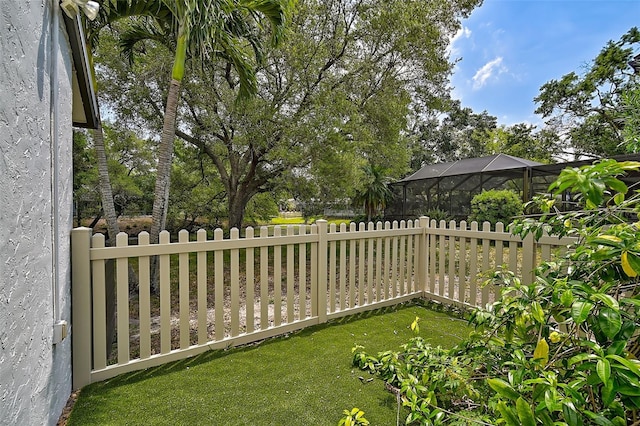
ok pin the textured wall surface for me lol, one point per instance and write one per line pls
(35, 374)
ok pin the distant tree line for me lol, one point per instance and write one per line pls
(352, 95)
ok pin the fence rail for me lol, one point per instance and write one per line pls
(220, 292)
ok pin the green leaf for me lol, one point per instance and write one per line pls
(608, 394)
(626, 264)
(525, 414)
(630, 301)
(551, 400)
(618, 186)
(628, 390)
(567, 298)
(630, 365)
(618, 198)
(607, 240)
(580, 311)
(580, 358)
(603, 368)
(609, 321)
(507, 414)
(503, 388)
(617, 347)
(598, 419)
(545, 418)
(606, 299)
(537, 312)
(570, 414)
(542, 352)
(634, 261)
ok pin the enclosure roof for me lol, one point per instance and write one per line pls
(493, 164)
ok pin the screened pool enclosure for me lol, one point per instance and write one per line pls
(449, 187)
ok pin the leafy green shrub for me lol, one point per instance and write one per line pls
(495, 206)
(430, 380)
(558, 351)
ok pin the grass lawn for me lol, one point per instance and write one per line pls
(303, 379)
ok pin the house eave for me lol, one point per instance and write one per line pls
(85, 111)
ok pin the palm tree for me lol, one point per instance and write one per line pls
(375, 194)
(201, 30)
(208, 28)
(110, 12)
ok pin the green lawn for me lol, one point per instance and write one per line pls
(303, 379)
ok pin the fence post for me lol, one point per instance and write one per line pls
(81, 338)
(423, 253)
(528, 259)
(321, 298)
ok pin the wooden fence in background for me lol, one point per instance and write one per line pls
(222, 292)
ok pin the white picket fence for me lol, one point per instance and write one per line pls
(231, 291)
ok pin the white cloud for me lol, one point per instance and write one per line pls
(452, 50)
(487, 71)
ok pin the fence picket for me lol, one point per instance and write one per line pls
(452, 263)
(315, 261)
(321, 276)
(201, 261)
(378, 264)
(352, 266)
(165, 298)
(332, 270)
(387, 265)
(234, 256)
(343, 268)
(432, 243)
(183, 284)
(218, 282)
(249, 284)
(463, 282)
(442, 258)
(277, 278)
(264, 281)
(394, 262)
(122, 303)
(290, 265)
(499, 257)
(144, 291)
(370, 276)
(473, 265)
(513, 255)
(302, 275)
(403, 260)
(486, 247)
(99, 307)
(361, 256)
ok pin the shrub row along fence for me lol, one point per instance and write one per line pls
(213, 294)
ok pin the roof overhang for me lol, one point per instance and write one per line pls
(85, 103)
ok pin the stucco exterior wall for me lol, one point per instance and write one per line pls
(35, 374)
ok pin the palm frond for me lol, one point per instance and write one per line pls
(277, 12)
(112, 11)
(144, 31)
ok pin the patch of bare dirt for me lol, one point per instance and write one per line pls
(66, 412)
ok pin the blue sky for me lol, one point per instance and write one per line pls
(509, 48)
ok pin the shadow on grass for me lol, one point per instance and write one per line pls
(175, 366)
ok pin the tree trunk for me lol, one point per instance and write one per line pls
(238, 201)
(236, 212)
(165, 153)
(109, 211)
(106, 195)
(163, 174)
